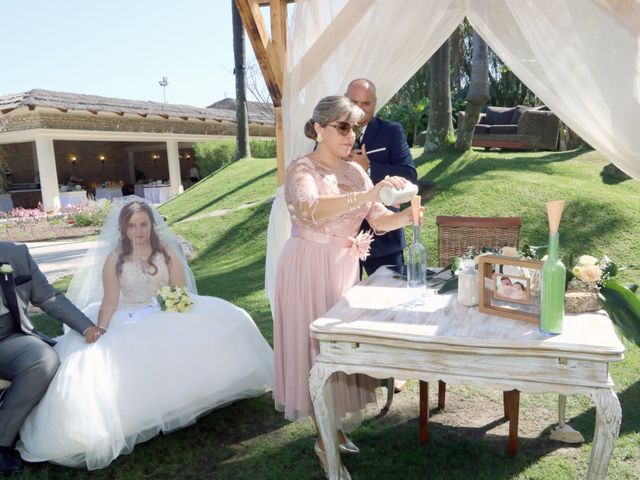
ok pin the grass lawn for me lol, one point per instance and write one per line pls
(249, 440)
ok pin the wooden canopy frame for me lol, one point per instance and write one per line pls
(271, 53)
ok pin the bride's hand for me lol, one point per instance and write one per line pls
(93, 333)
(393, 182)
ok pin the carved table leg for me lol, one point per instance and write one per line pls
(608, 417)
(320, 391)
(563, 432)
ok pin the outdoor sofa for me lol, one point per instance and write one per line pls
(523, 128)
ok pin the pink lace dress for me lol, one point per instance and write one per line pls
(318, 264)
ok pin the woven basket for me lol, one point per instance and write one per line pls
(457, 234)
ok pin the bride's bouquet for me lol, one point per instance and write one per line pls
(174, 299)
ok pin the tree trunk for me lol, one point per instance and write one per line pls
(242, 117)
(457, 58)
(478, 94)
(440, 123)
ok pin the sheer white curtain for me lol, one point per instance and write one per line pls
(581, 57)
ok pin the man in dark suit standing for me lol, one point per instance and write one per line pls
(381, 150)
(26, 357)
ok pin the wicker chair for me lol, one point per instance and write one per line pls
(455, 236)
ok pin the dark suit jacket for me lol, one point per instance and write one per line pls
(395, 160)
(32, 286)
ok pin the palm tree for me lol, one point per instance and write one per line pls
(478, 94)
(440, 124)
(242, 117)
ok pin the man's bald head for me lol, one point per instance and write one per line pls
(362, 92)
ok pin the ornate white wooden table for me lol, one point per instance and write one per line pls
(374, 330)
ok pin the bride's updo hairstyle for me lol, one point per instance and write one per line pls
(126, 248)
(332, 109)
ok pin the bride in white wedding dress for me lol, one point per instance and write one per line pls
(151, 371)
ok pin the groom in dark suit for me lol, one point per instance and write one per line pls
(381, 150)
(26, 357)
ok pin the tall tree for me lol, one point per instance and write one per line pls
(478, 94)
(242, 116)
(440, 125)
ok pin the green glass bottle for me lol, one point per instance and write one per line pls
(552, 295)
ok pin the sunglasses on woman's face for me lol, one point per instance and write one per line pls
(344, 128)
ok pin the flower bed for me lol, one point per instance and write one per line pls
(24, 225)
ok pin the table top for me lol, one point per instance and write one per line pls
(377, 310)
(73, 192)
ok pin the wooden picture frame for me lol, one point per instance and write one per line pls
(497, 273)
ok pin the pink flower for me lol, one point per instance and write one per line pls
(361, 244)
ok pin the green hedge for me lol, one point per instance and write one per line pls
(212, 156)
(263, 148)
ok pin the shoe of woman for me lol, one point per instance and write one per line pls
(322, 456)
(348, 447)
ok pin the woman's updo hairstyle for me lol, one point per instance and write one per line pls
(332, 109)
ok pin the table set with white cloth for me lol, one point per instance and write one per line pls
(377, 329)
(153, 193)
(73, 197)
(108, 193)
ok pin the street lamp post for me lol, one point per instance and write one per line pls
(163, 83)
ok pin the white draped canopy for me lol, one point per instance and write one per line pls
(581, 57)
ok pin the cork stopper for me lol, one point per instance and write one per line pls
(415, 209)
(554, 212)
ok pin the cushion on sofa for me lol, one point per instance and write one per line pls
(499, 115)
(504, 129)
(517, 112)
(480, 128)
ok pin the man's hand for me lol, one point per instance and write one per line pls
(93, 333)
(360, 157)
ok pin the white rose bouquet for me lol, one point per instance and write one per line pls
(589, 274)
(174, 299)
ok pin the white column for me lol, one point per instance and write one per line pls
(132, 167)
(174, 168)
(48, 174)
(34, 156)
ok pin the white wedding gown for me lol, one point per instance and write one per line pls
(155, 374)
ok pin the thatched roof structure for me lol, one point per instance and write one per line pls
(258, 111)
(95, 104)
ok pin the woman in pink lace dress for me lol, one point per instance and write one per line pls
(327, 198)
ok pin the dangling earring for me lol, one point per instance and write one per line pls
(319, 138)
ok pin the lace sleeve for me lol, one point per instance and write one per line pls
(301, 190)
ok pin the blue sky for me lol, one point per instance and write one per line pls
(120, 48)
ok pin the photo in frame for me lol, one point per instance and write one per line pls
(510, 287)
